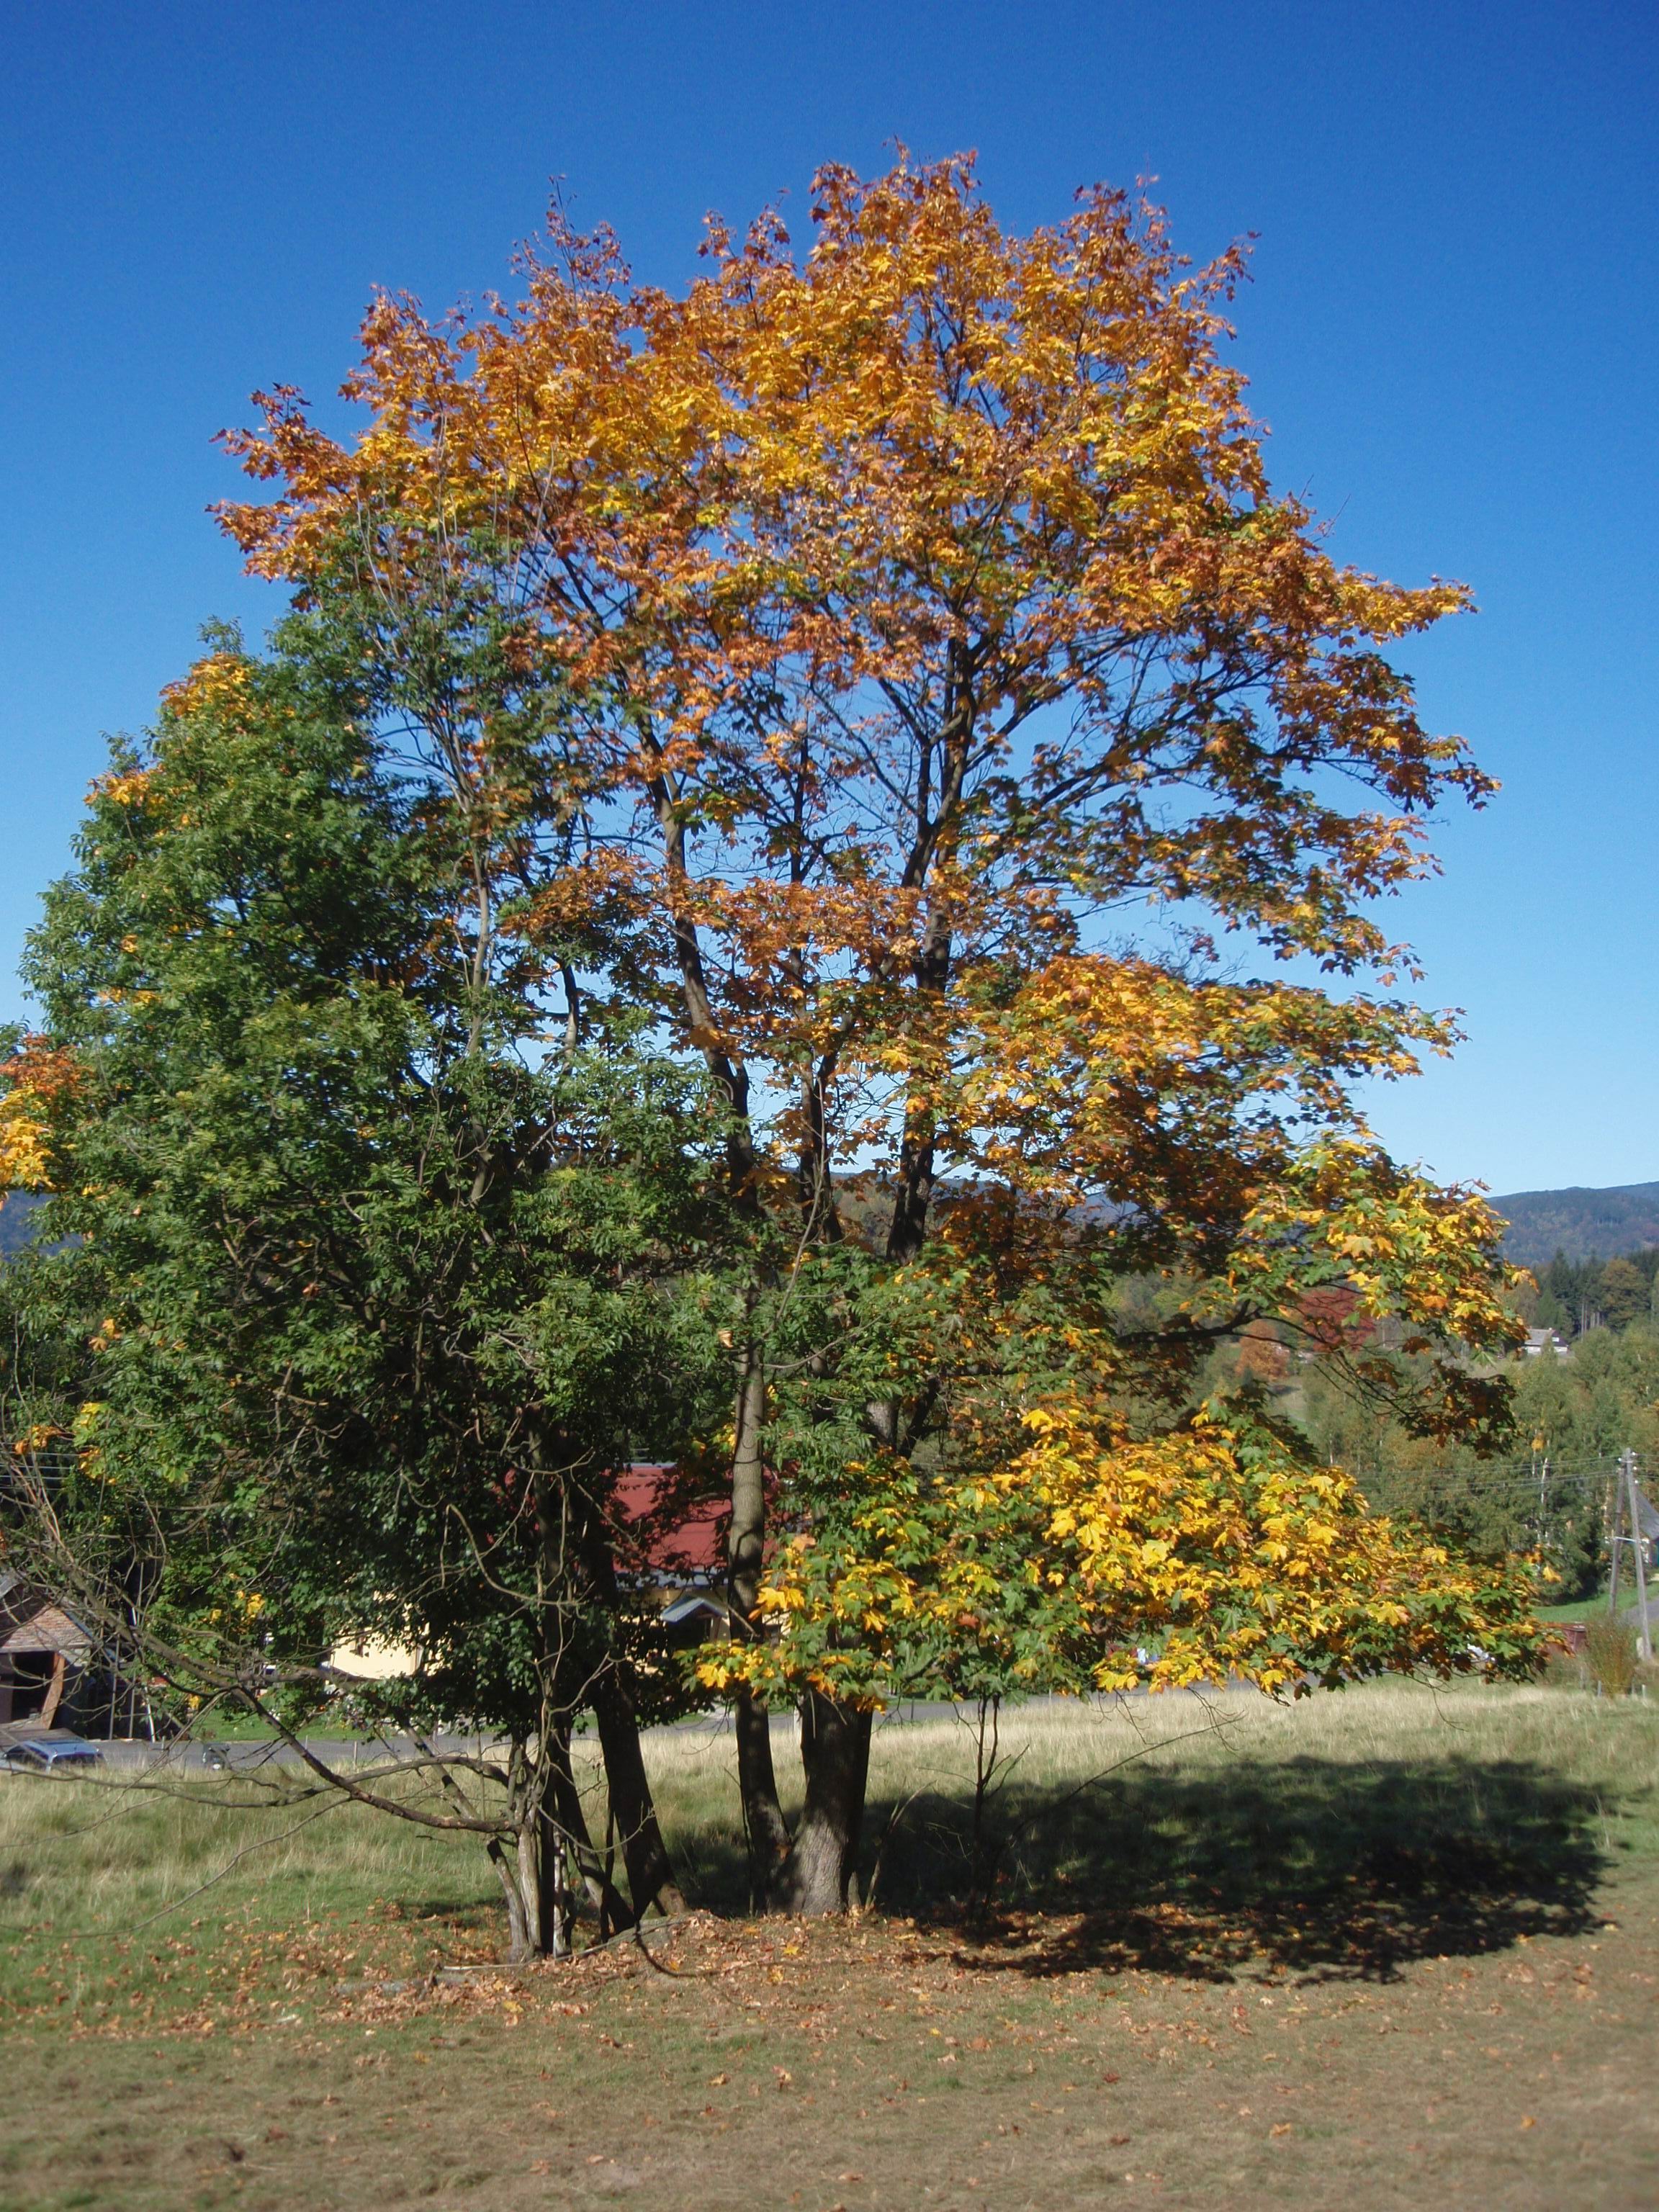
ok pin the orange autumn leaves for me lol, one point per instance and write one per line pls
(1208, 1555)
(37, 1078)
(906, 494)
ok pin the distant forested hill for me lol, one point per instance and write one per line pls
(1585, 1224)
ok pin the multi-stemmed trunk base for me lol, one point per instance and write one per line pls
(814, 1871)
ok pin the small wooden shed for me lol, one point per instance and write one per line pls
(44, 1653)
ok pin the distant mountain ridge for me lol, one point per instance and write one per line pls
(1585, 1224)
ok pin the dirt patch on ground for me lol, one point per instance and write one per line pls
(871, 2064)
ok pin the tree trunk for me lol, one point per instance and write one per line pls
(764, 1825)
(835, 1750)
(553, 1898)
(518, 1945)
(650, 1875)
(501, 1859)
(757, 1785)
(537, 1936)
(531, 1872)
(607, 1900)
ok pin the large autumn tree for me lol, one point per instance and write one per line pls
(963, 736)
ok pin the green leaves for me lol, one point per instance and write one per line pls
(384, 1291)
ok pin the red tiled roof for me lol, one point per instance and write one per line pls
(675, 1535)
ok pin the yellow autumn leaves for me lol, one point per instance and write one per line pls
(1094, 1563)
(35, 1078)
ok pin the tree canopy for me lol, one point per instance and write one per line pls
(887, 674)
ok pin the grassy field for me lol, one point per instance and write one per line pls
(1398, 1948)
(1593, 1607)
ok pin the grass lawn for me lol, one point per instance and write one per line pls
(1593, 1607)
(1398, 1948)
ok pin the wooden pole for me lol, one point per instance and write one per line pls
(1617, 1539)
(1644, 1641)
(54, 1689)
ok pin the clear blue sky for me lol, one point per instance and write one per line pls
(1451, 331)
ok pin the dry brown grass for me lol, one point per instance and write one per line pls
(1611, 1650)
(1397, 1948)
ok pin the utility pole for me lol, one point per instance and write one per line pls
(1617, 1539)
(1543, 1467)
(1643, 1642)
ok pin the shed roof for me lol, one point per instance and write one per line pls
(42, 1626)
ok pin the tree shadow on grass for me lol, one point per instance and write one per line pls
(1324, 1869)
(467, 1915)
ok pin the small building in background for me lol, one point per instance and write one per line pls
(45, 1655)
(53, 1673)
(372, 1659)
